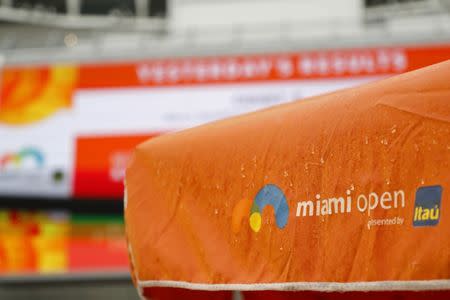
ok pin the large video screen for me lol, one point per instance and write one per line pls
(68, 130)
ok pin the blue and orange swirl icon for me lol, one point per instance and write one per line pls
(268, 195)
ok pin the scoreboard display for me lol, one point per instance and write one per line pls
(68, 130)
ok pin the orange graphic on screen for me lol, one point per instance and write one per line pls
(32, 94)
(32, 242)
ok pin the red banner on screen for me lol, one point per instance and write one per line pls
(100, 164)
(339, 63)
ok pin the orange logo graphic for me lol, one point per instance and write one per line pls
(30, 95)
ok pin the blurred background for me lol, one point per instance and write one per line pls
(82, 82)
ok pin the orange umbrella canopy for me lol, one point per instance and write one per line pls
(344, 191)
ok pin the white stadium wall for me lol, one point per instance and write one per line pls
(203, 13)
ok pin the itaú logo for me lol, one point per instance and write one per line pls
(268, 195)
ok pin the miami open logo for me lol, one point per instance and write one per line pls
(268, 195)
(18, 158)
(426, 211)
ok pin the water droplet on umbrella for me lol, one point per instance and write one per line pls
(394, 129)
